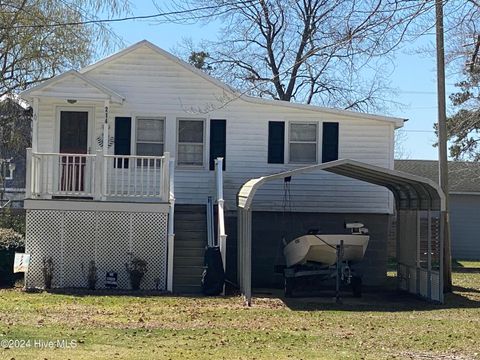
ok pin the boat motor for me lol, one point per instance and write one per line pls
(357, 228)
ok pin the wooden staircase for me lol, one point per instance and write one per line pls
(190, 243)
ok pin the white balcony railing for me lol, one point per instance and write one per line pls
(97, 176)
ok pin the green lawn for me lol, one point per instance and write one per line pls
(379, 326)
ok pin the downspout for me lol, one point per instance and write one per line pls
(171, 228)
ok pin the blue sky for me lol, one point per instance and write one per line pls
(413, 77)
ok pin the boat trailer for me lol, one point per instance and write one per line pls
(340, 271)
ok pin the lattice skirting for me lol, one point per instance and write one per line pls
(73, 238)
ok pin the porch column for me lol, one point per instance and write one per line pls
(35, 125)
(105, 128)
(105, 150)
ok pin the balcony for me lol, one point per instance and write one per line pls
(97, 176)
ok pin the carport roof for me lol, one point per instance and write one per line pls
(410, 191)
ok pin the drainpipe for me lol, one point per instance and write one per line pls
(171, 229)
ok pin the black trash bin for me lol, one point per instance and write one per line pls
(213, 277)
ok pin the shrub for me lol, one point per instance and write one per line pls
(11, 219)
(136, 269)
(10, 242)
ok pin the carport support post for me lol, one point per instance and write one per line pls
(441, 289)
(417, 261)
(429, 255)
(245, 253)
(398, 233)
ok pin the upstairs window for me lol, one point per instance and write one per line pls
(150, 136)
(330, 141)
(303, 143)
(190, 147)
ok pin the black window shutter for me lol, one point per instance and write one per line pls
(123, 138)
(218, 141)
(276, 142)
(330, 141)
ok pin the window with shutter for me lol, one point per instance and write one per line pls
(190, 147)
(150, 136)
(303, 143)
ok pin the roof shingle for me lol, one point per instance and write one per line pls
(463, 176)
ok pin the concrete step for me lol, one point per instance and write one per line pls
(190, 244)
(187, 261)
(198, 216)
(198, 236)
(190, 252)
(191, 225)
(187, 289)
(189, 209)
(182, 270)
(188, 279)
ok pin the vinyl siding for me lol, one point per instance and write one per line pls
(156, 86)
(465, 227)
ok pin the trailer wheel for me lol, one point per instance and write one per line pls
(288, 286)
(356, 283)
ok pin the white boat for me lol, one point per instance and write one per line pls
(322, 248)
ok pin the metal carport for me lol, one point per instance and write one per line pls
(418, 201)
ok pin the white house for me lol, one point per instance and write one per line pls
(131, 121)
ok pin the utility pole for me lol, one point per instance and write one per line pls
(442, 146)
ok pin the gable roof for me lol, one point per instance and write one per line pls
(463, 176)
(37, 90)
(398, 122)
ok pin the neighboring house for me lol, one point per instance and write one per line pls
(122, 119)
(15, 137)
(464, 201)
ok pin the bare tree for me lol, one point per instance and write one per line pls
(400, 152)
(36, 43)
(326, 52)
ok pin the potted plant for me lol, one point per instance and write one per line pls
(136, 269)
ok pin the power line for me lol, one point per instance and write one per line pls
(127, 18)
